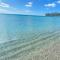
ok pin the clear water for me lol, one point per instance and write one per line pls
(12, 25)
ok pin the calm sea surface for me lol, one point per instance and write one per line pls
(14, 25)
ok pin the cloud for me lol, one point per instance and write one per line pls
(7, 9)
(50, 5)
(29, 4)
(4, 11)
(4, 5)
(58, 1)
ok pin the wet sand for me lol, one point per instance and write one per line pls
(45, 46)
(50, 53)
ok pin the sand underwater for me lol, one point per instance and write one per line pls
(29, 37)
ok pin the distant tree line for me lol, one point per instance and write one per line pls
(52, 14)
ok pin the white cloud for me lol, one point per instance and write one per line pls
(7, 9)
(4, 5)
(58, 1)
(50, 5)
(29, 4)
(4, 11)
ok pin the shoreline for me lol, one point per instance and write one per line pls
(42, 46)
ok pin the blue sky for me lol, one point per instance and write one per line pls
(30, 7)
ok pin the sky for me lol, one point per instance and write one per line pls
(30, 7)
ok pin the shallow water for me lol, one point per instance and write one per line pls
(14, 26)
(22, 36)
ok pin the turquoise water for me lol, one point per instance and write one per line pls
(12, 25)
(22, 37)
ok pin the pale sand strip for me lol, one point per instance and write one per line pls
(50, 53)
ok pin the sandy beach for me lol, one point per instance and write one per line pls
(45, 46)
(50, 53)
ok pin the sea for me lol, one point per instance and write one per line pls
(12, 25)
(25, 37)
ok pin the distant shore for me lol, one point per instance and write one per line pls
(52, 14)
